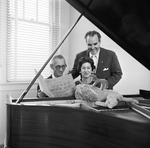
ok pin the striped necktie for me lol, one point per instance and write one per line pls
(94, 57)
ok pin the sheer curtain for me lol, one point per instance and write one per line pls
(32, 34)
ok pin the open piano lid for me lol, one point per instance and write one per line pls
(127, 22)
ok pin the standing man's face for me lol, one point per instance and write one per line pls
(93, 44)
(59, 67)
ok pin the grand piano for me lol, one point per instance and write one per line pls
(127, 22)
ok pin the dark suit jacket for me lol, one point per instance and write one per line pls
(108, 66)
(39, 93)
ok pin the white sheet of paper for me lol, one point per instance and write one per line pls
(43, 86)
(61, 86)
(57, 87)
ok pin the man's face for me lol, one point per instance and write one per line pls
(93, 44)
(59, 67)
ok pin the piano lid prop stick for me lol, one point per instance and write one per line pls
(55, 50)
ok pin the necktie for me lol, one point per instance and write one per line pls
(95, 60)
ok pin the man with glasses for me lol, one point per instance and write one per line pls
(58, 67)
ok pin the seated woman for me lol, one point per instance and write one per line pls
(85, 88)
(88, 76)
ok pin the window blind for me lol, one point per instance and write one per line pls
(32, 34)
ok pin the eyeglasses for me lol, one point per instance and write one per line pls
(60, 66)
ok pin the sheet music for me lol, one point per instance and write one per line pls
(57, 87)
(43, 86)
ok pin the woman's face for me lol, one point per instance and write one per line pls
(86, 70)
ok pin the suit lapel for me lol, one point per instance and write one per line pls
(100, 62)
(87, 53)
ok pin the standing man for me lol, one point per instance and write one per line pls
(106, 61)
(58, 67)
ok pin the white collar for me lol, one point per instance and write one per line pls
(53, 75)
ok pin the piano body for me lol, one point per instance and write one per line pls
(127, 22)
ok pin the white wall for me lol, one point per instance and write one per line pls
(135, 76)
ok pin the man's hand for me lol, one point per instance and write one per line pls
(41, 94)
(103, 82)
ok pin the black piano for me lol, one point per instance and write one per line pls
(127, 22)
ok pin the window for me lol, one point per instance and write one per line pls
(32, 34)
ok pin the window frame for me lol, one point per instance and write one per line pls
(54, 43)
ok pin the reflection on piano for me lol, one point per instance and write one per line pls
(127, 22)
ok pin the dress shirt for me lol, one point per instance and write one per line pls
(95, 58)
(53, 75)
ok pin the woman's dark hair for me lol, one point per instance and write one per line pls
(83, 60)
